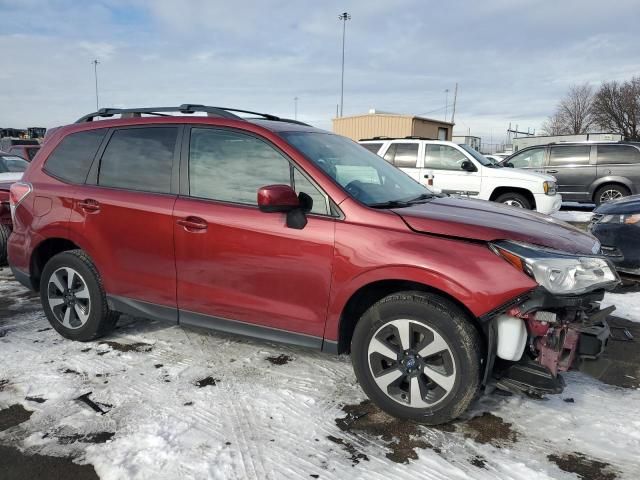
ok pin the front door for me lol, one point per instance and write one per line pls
(443, 166)
(571, 166)
(239, 268)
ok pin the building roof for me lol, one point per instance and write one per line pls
(380, 113)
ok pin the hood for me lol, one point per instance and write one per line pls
(488, 221)
(620, 206)
(520, 174)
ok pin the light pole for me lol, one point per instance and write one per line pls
(446, 103)
(344, 17)
(95, 73)
(295, 108)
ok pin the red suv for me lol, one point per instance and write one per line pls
(271, 228)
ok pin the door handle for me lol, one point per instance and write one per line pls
(193, 224)
(89, 205)
(552, 171)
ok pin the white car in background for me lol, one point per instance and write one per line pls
(11, 167)
(447, 167)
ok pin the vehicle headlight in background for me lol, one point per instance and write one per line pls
(558, 272)
(549, 188)
(629, 219)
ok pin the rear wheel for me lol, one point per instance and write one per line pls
(5, 231)
(73, 297)
(514, 199)
(417, 357)
(610, 192)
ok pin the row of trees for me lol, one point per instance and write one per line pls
(614, 107)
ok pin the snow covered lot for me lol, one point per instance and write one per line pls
(188, 404)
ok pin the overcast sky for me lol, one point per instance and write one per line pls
(512, 59)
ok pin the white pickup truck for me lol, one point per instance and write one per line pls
(447, 167)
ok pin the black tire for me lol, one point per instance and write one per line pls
(100, 320)
(515, 200)
(612, 191)
(441, 316)
(5, 231)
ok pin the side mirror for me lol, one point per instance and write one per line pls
(277, 198)
(467, 166)
(508, 164)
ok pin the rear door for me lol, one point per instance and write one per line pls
(406, 156)
(443, 166)
(575, 170)
(240, 269)
(621, 161)
(123, 216)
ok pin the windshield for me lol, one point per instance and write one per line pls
(478, 156)
(12, 164)
(364, 175)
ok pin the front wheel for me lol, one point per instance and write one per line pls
(417, 356)
(515, 200)
(73, 297)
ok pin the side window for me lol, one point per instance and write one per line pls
(301, 184)
(231, 167)
(372, 147)
(402, 155)
(72, 158)
(139, 159)
(444, 157)
(617, 154)
(569, 155)
(533, 158)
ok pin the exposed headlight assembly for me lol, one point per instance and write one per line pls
(558, 272)
(549, 188)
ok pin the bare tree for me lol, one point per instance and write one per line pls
(617, 107)
(575, 109)
(554, 125)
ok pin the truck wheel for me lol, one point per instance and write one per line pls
(73, 297)
(607, 193)
(417, 357)
(515, 200)
(5, 231)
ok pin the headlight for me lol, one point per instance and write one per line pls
(617, 218)
(558, 272)
(549, 188)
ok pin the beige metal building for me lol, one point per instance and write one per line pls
(393, 125)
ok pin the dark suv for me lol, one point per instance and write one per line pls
(271, 228)
(587, 172)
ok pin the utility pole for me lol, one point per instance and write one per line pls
(95, 73)
(446, 103)
(295, 108)
(455, 99)
(344, 17)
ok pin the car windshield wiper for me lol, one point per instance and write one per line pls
(402, 203)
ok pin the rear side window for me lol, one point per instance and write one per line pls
(139, 159)
(72, 158)
(570, 155)
(617, 154)
(372, 147)
(403, 155)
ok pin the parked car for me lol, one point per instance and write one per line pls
(271, 228)
(7, 142)
(494, 159)
(11, 167)
(447, 167)
(5, 221)
(587, 172)
(27, 152)
(617, 225)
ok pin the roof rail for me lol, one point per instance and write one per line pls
(410, 137)
(186, 108)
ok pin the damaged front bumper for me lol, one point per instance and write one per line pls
(534, 339)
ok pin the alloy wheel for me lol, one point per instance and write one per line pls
(68, 297)
(609, 195)
(513, 203)
(411, 363)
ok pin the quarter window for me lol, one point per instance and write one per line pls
(139, 159)
(72, 158)
(617, 154)
(444, 157)
(301, 184)
(569, 155)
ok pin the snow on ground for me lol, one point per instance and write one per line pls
(573, 216)
(190, 404)
(627, 305)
